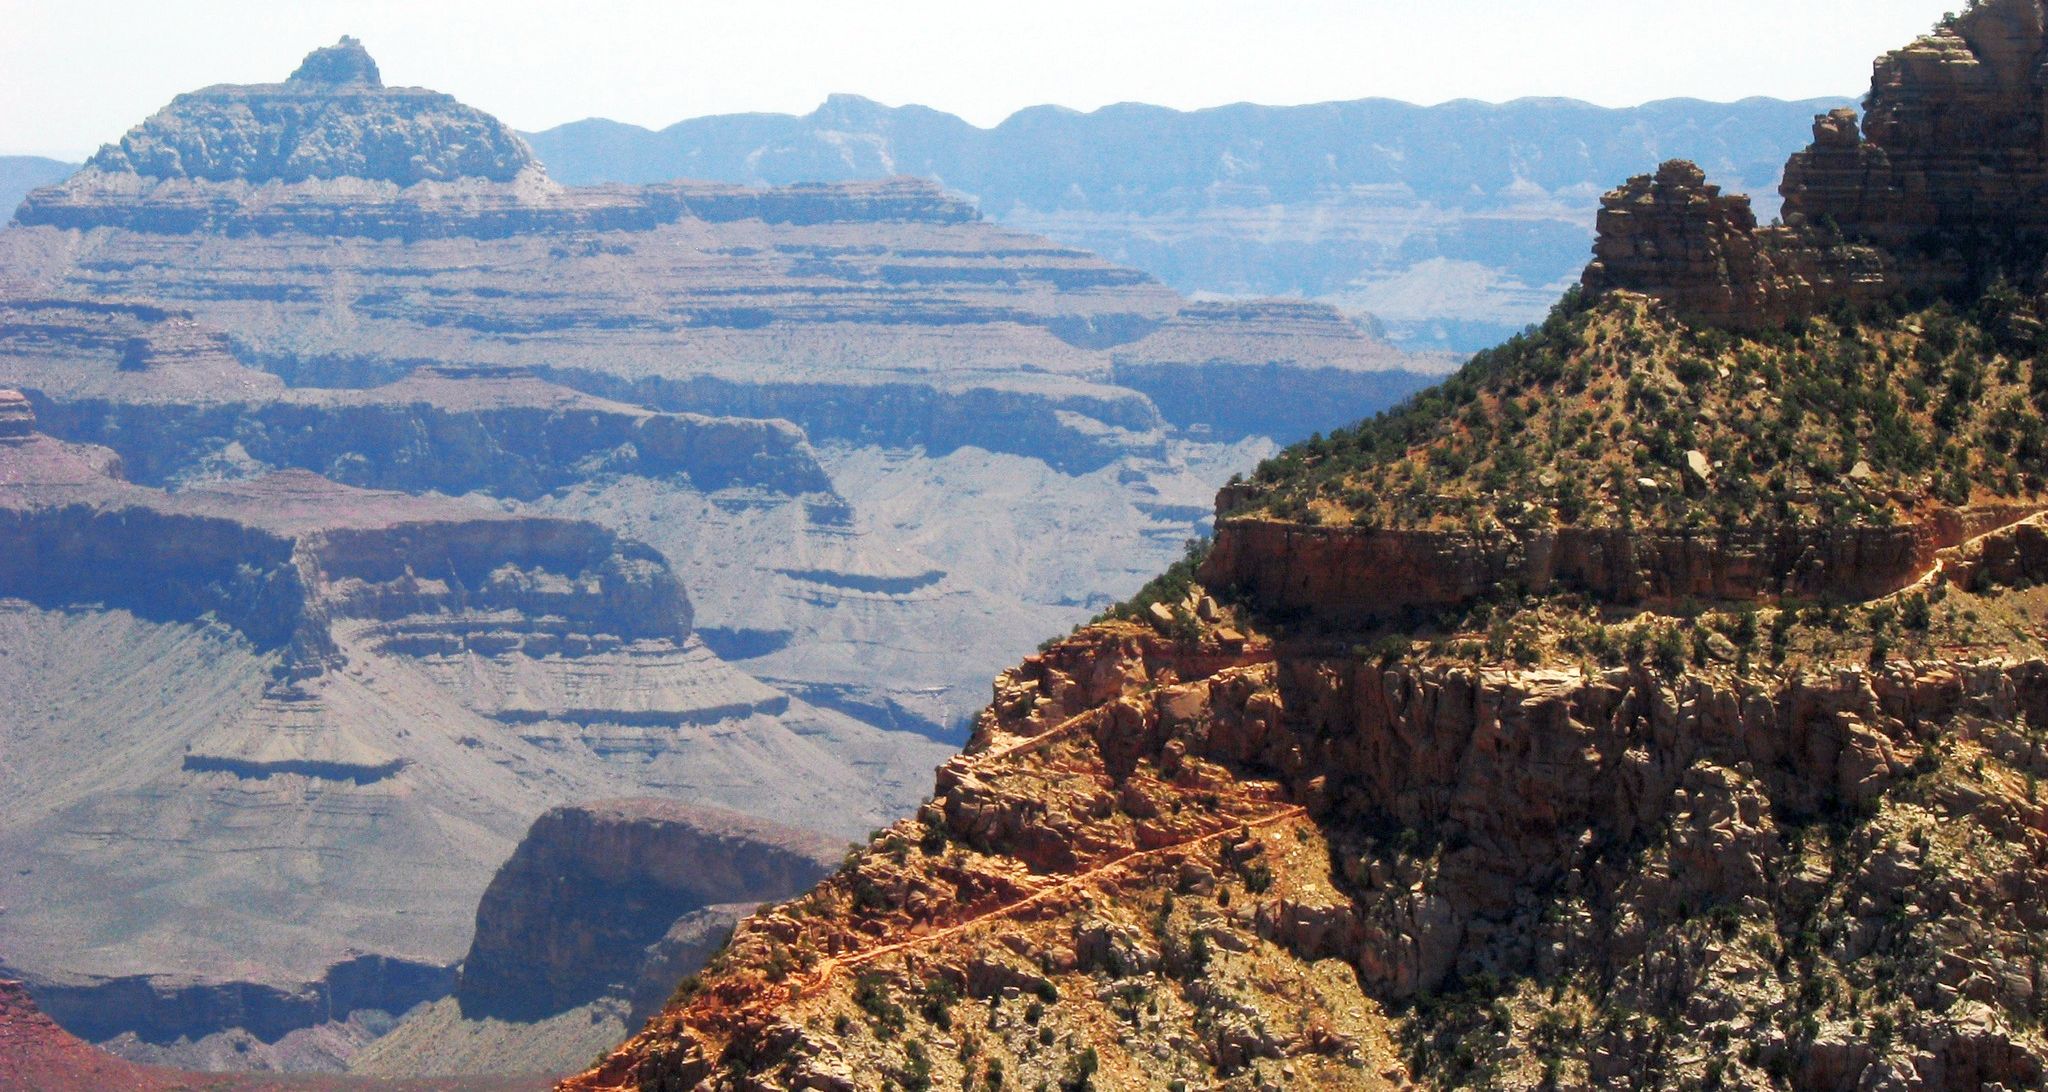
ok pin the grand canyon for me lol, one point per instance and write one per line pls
(468, 628)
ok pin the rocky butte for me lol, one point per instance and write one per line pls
(1655, 704)
(585, 931)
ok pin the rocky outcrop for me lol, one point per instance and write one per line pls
(1937, 190)
(1362, 576)
(1673, 236)
(17, 416)
(344, 62)
(598, 896)
(1950, 156)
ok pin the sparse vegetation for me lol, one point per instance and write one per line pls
(1828, 421)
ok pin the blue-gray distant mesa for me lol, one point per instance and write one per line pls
(1455, 224)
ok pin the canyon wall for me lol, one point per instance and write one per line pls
(588, 898)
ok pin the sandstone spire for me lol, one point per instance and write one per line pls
(1936, 189)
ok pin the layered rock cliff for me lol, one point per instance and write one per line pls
(887, 310)
(366, 327)
(1935, 191)
(284, 559)
(1456, 223)
(168, 393)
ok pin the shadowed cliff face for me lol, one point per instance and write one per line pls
(284, 558)
(582, 908)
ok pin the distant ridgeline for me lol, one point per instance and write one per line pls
(1455, 224)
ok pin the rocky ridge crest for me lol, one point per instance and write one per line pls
(1934, 192)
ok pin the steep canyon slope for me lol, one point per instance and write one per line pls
(1654, 705)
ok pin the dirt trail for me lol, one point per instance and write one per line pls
(826, 968)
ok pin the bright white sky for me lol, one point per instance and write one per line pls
(77, 73)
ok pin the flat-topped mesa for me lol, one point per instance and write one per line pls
(333, 119)
(17, 416)
(1936, 190)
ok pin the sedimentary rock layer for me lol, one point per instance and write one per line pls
(1365, 576)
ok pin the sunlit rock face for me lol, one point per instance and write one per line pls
(1935, 191)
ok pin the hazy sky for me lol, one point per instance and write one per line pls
(77, 73)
